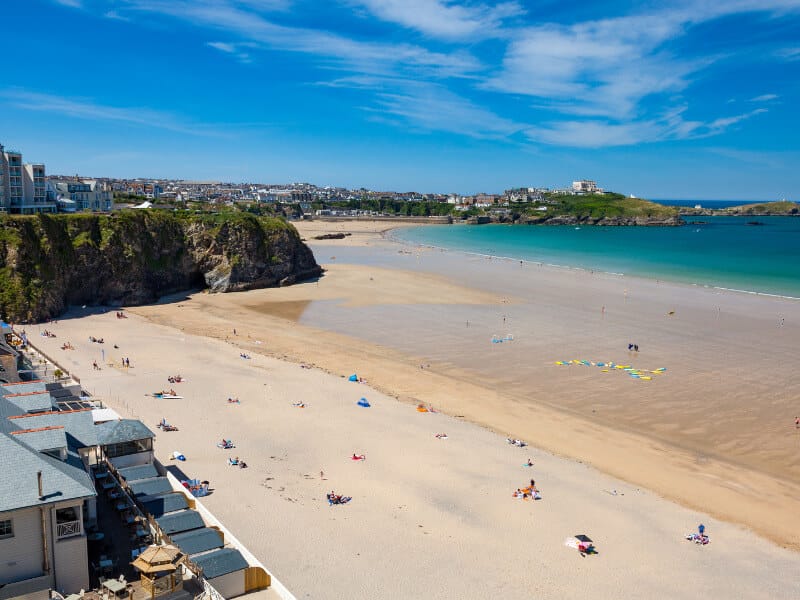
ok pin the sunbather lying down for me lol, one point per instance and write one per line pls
(358, 457)
(299, 404)
(337, 499)
(233, 401)
(698, 538)
(225, 444)
(441, 436)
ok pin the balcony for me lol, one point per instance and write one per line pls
(68, 529)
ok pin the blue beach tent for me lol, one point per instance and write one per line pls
(353, 377)
(363, 402)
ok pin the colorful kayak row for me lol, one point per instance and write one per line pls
(645, 374)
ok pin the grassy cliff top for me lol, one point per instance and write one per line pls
(782, 207)
(607, 205)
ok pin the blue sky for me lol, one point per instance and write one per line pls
(685, 99)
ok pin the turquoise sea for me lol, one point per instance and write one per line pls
(721, 252)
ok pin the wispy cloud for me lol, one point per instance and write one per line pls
(444, 18)
(601, 133)
(233, 50)
(330, 49)
(788, 53)
(114, 15)
(70, 3)
(83, 108)
(765, 98)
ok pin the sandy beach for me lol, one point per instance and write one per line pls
(714, 433)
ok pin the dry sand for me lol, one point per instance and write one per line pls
(435, 518)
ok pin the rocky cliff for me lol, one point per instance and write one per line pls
(134, 257)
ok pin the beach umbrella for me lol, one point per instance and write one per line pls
(158, 559)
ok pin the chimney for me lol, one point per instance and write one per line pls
(39, 479)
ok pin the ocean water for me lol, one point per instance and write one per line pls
(722, 252)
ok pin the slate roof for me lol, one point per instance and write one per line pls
(124, 430)
(197, 540)
(220, 562)
(42, 439)
(150, 487)
(184, 520)
(19, 486)
(165, 503)
(78, 424)
(131, 474)
(36, 401)
(23, 387)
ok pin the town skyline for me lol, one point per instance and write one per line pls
(676, 101)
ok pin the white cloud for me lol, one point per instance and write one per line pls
(433, 108)
(83, 108)
(233, 50)
(223, 47)
(112, 14)
(601, 133)
(331, 49)
(765, 98)
(789, 53)
(70, 3)
(444, 18)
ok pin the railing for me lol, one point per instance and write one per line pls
(69, 529)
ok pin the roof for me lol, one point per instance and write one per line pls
(124, 430)
(160, 505)
(131, 474)
(101, 415)
(220, 562)
(37, 401)
(198, 540)
(150, 486)
(46, 438)
(19, 487)
(80, 428)
(22, 387)
(183, 520)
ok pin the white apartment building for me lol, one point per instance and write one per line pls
(585, 186)
(80, 195)
(22, 187)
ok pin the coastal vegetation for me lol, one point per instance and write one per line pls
(553, 208)
(48, 262)
(762, 209)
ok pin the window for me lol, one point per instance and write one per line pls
(125, 448)
(6, 529)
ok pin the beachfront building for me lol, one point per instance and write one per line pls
(46, 495)
(76, 195)
(49, 457)
(22, 186)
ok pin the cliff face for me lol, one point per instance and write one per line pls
(50, 262)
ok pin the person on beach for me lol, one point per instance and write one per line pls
(530, 464)
(797, 422)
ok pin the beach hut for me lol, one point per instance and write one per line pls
(160, 570)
